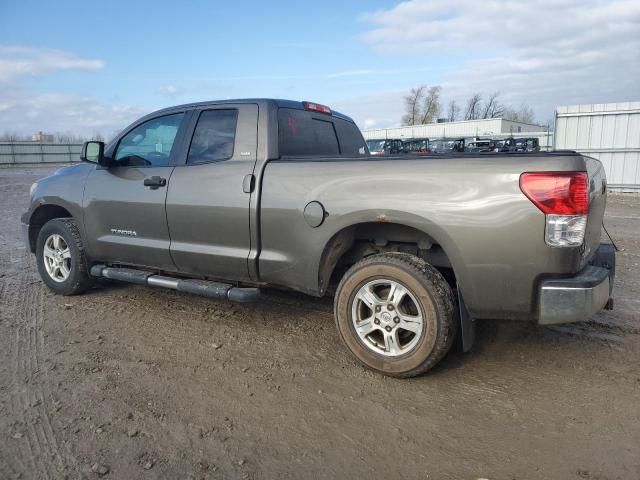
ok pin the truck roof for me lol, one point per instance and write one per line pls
(274, 102)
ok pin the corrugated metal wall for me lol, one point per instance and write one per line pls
(32, 152)
(609, 132)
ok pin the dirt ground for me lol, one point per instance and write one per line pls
(131, 382)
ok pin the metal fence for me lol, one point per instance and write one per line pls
(15, 153)
(609, 132)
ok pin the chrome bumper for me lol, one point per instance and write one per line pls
(577, 298)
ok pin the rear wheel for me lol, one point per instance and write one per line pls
(61, 260)
(396, 314)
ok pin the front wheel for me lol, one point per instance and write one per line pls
(61, 260)
(396, 314)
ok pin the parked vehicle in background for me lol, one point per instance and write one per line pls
(527, 145)
(504, 145)
(446, 145)
(480, 145)
(417, 146)
(225, 198)
(385, 147)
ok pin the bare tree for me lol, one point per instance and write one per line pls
(97, 136)
(527, 114)
(453, 111)
(64, 137)
(472, 110)
(412, 103)
(422, 105)
(10, 137)
(431, 105)
(524, 114)
(492, 108)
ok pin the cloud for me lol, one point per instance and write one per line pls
(24, 111)
(427, 25)
(382, 109)
(18, 61)
(543, 52)
(169, 90)
(350, 73)
(27, 112)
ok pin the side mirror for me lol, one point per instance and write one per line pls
(93, 152)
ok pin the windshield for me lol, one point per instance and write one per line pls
(375, 145)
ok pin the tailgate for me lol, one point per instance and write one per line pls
(597, 204)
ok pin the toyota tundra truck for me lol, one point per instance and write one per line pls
(226, 198)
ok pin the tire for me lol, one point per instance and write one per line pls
(415, 325)
(61, 259)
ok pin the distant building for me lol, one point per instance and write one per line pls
(42, 137)
(463, 128)
(490, 127)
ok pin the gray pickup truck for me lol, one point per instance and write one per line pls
(225, 198)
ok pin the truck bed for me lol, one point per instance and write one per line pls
(470, 205)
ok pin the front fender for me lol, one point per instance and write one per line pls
(58, 195)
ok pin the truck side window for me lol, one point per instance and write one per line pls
(214, 136)
(149, 144)
(302, 134)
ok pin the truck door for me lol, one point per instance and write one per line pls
(208, 199)
(124, 205)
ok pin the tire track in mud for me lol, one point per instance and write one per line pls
(19, 379)
(32, 401)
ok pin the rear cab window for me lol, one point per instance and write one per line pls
(302, 133)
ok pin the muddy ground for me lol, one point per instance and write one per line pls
(132, 382)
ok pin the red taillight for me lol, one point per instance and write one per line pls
(316, 107)
(557, 193)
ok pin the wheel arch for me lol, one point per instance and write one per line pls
(346, 245)
(41, 215)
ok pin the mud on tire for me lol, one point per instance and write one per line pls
(61, 259)
(407, 307)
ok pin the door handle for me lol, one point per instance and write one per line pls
(155, 182)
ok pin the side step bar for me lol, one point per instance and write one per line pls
(198, 287)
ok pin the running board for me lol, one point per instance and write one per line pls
(205, 288)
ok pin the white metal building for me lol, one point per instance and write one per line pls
(609, 132)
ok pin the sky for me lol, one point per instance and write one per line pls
(93, 67)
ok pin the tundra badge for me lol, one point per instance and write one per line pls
(126, 233)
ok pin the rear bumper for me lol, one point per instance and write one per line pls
(577, 298)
